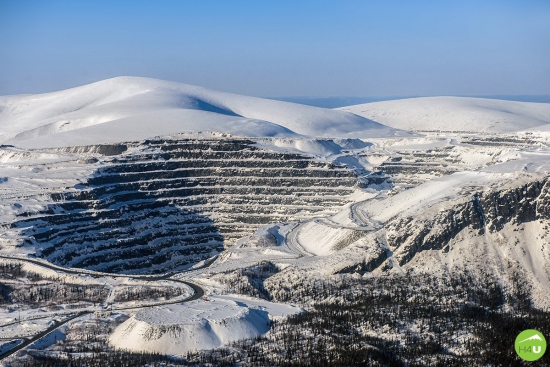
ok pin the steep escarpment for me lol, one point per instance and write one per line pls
(168, 204)
(483, 212)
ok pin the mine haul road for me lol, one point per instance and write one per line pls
(198, 292)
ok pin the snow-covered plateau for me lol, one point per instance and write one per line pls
(140, 215)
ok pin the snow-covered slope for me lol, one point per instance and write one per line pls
(132, 108)
(178, 329)
(455, 114)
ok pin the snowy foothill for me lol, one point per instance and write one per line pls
(24, 318)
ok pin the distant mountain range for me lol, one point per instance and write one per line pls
(456, 114)
(134, 108)
(336, 102)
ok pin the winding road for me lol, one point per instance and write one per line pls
(291, 240)
(198, 292)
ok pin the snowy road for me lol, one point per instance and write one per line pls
(293, 243)
(198, 292)
(357, 214)
(40, 335)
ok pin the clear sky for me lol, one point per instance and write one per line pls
(281, 48)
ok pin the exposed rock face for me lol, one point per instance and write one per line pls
(409, 168)
(104, 149)
(172, 203)
(484, 211)
(522, 204)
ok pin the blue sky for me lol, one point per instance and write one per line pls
(281, 48)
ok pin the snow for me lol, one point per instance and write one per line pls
(523, 245)
(202, 324)
(6, 345)
(533, 162)
(133, 108)
(456, 114)
(318, 238)
(50, 339)
(434, 191)
(322, 148)
(126, 109)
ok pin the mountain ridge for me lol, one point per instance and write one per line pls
(133, 108)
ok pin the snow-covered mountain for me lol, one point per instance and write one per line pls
(133, 108)
(396, 231)
(456, 114)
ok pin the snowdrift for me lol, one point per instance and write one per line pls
(133, 108)
(455, 114)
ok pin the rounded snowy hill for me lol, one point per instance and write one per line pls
(455, 114)
(134, 108)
